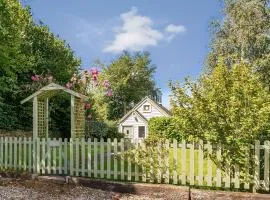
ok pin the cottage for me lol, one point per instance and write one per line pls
(135, 123)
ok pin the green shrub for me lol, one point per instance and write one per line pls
(102, 129)
(152, 156)
(166, 127)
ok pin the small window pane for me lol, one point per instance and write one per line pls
(146, 108)
(141, 131)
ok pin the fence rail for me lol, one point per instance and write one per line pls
(186, 163)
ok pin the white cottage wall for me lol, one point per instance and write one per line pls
(154, 112)
(134, 121)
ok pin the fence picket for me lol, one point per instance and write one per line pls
(115, 167)
(24, 153)
(129, 168)
(60, 156)
(167, 176)
(71, 162)
(236, 177)
(95, 158)
(6, 152)
(89, 157)
(10, 145)
(257, 166)
(29, 154)
(209, 165)
(175, 149)
(192, 167)
(227, 176)
(136, 159)
(159, 175)
(38, 155)
(77, 155)
(218, 175)
(183, 163)
(43, 156)
(48, 156)
(83, 156)
(266, 165)
(143, 168)
(1, 152)
(109, 158)
(122, 170)
(15, 153)
(101, 158)
(65, 156)
(19, 153)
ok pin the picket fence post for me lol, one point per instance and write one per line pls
(256, 167)
(266, 165)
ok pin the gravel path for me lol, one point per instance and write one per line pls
(41, 191)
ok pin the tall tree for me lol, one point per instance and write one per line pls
(131, 78)
(26, 49)
(243, 35)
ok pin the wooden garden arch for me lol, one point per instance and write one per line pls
(41, 115)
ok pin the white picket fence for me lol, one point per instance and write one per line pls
(187, 164)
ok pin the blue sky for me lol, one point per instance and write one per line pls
(175, 32)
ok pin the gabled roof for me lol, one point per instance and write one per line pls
(161, 108)
(55, 88)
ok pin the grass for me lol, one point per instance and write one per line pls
(99, 153)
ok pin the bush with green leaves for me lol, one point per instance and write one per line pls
(102, 129)
(166, 127)
(228, 106)
(152, 155)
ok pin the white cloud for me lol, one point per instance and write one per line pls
(136, 33)
(172, 30)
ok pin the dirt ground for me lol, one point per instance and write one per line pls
(31, 189)
(12, 188)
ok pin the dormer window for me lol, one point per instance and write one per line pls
(146, 108)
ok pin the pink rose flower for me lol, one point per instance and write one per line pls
(35, 78)
(106, 83)
(109, 92)
(68, 85)
(87, 106)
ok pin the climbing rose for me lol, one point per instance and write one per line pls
(68, 85)
(106, 83)
(94, 73)
(35, 78)
(87, 106)
(109, 93)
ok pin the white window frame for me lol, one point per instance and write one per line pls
(147, 111)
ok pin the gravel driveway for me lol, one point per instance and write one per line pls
(39, 190)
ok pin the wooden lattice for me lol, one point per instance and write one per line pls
(40, 110)
(42, 126)
(79, 118)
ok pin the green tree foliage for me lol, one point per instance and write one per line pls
(166, 127)
(131, 78)
(243, 35)
(229, 106)
(26, 49)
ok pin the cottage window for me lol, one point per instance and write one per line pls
(127, 130)
(146, 108)
(141, 131)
